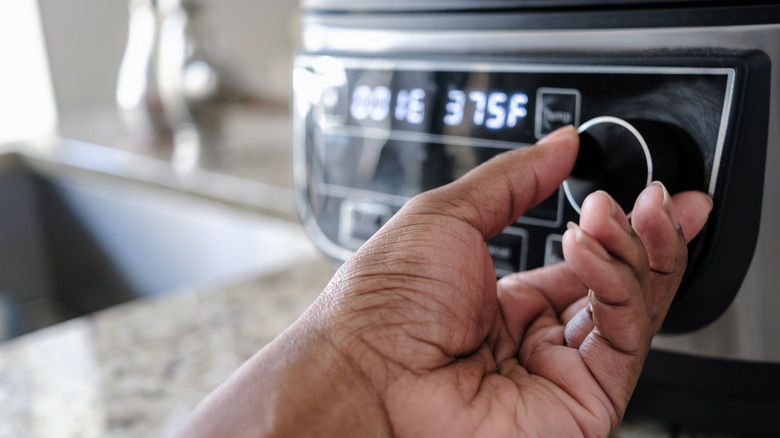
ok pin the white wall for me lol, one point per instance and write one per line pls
(27, 107)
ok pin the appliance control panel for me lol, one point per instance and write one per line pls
(372, 133)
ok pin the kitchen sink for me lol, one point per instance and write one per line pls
(75, 240)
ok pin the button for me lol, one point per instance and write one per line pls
(359, 220)
(322, 81)
(509, 250)
(333, 105)
(553, 252)
(556, 108)
(548, 213)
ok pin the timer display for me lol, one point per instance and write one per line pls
(374, 103)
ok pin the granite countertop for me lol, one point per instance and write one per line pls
(139, 368)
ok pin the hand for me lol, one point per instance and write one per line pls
(414, 336)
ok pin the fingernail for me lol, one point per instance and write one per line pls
(612, 203)
(616, 213)
(588, 242)
(667, 204)
(560, 132)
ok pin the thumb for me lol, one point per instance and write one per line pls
(493, 195)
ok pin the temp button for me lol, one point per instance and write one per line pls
(556, 108)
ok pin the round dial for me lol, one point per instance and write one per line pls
(622, 157)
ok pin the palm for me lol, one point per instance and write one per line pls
(454, 378)
(495, 392)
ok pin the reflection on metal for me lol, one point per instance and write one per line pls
(169, 90)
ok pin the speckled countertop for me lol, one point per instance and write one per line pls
(139, 368)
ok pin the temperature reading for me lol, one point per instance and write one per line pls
(494, 110)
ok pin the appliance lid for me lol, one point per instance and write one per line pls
(497, 15)
(482, 5)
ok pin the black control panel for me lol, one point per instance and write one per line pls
(373, 133)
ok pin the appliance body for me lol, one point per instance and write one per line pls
(393, 98)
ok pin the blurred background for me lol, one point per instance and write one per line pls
(87, 38)
(76, 50)
(149, 237)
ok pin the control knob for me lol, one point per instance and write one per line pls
(623, 157)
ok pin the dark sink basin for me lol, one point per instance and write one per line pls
(74, 242)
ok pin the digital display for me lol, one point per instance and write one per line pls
(493, 109)
(471, 104)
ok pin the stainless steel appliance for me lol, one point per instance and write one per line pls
(395, 97)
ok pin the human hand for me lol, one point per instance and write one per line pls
(414, 336)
